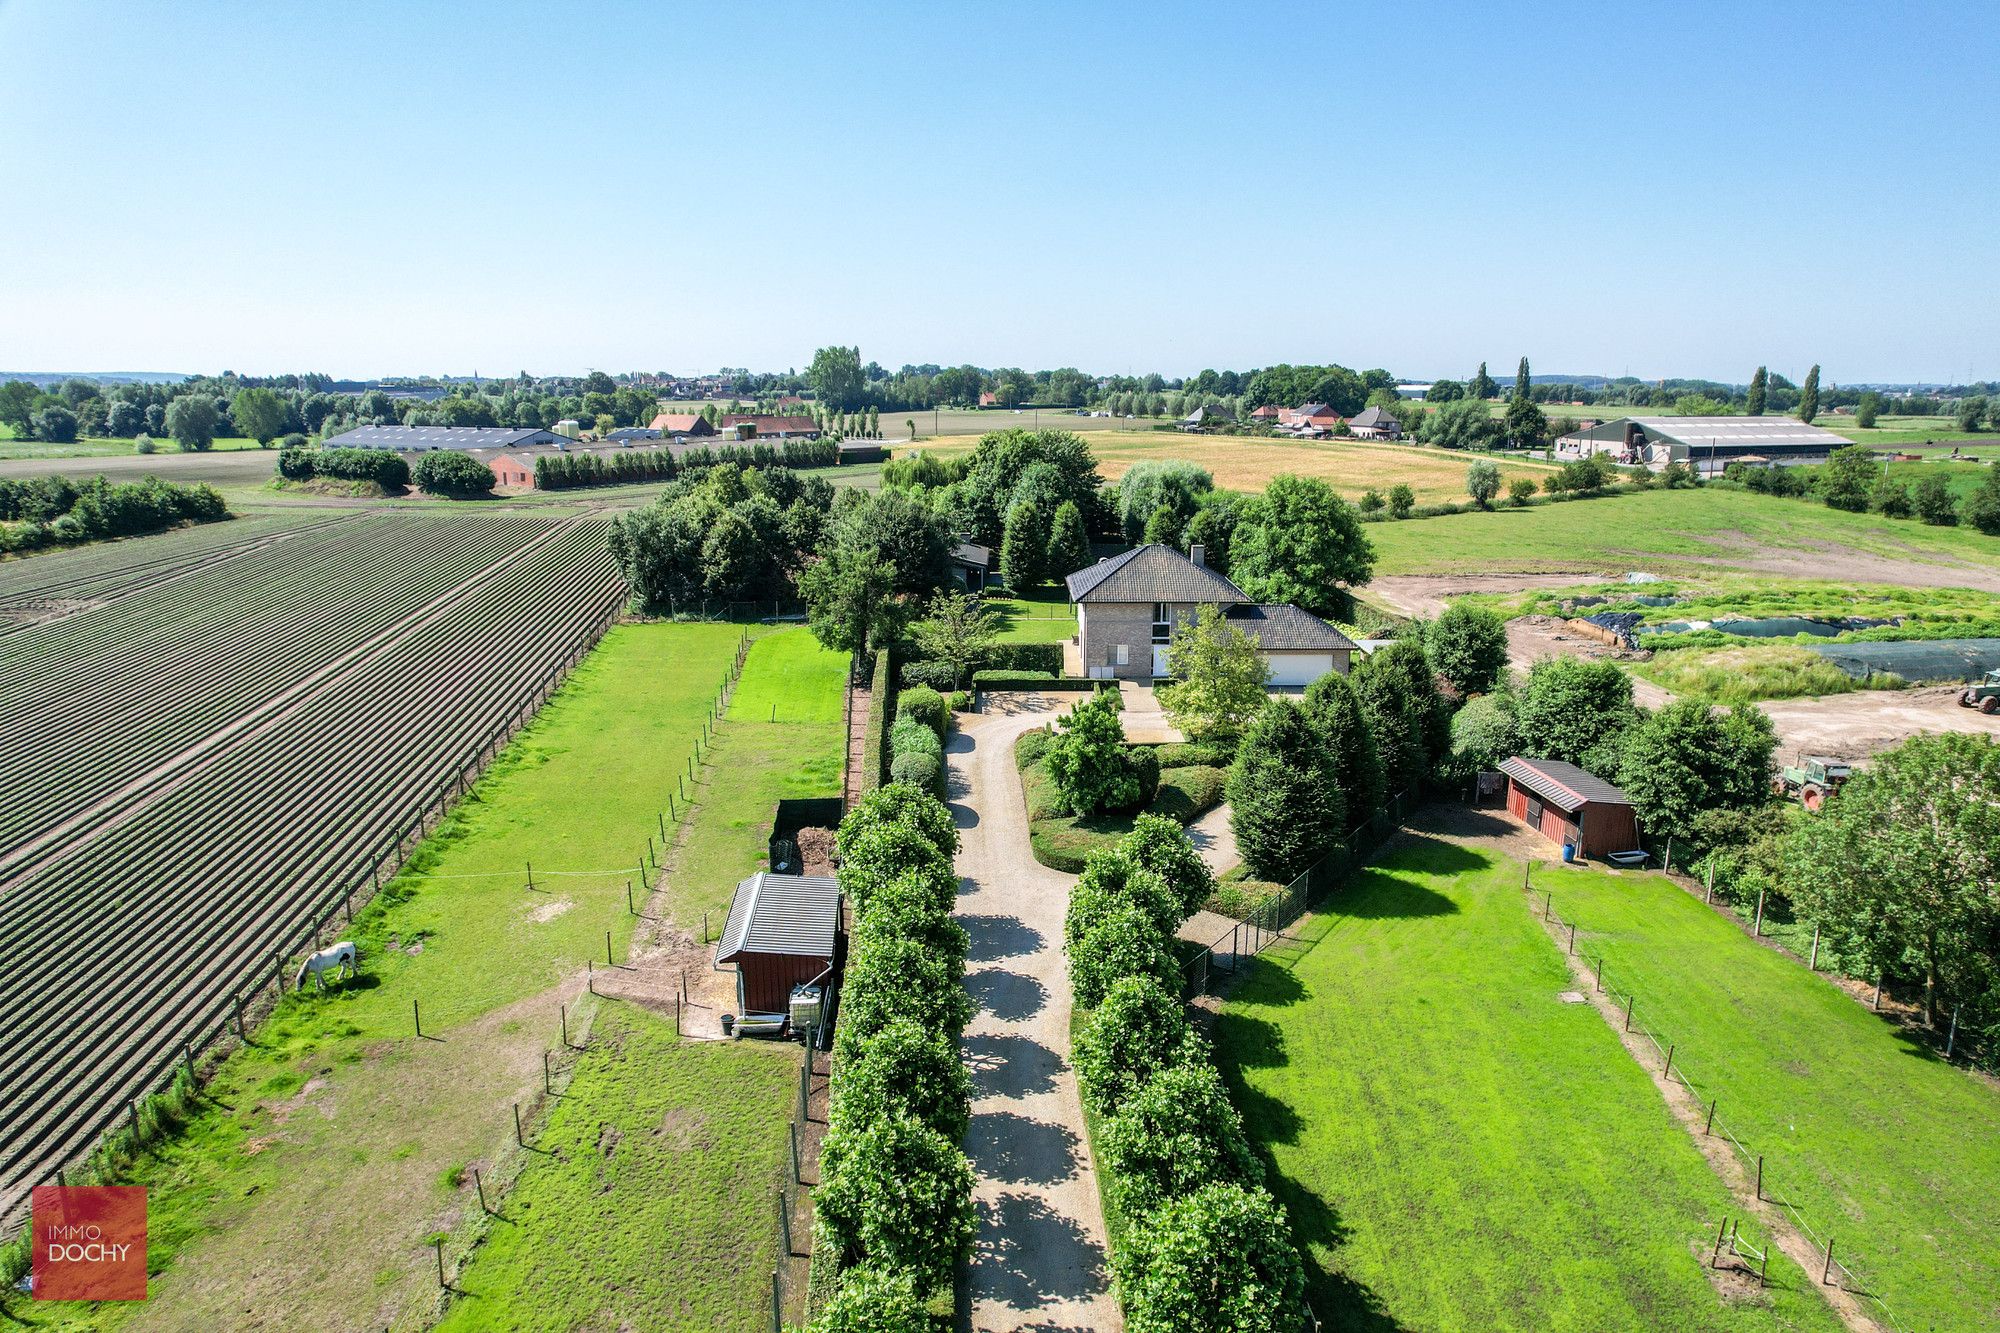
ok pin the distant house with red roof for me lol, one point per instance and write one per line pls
(988, 398)
(1309, 416)
(681, 425)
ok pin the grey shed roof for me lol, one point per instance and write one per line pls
(441, 437)
(789, 914)
(1565, 786)
(1151, 573)
(1374, 416)
(1288, 628)
(972, 555)
(1782, 434)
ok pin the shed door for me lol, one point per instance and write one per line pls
(1534, 812)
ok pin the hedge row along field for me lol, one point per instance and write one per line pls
(198, 773)
(556, 472)
(894, 1206)
(1198, 1243)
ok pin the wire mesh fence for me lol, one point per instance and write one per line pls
(1848, 1266)
(1266, 923)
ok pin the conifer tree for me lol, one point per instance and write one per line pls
(1522, 380)
(1809, 396)
(1482, 384)
(1758, 382)
(1023, 549)
(1069, 542)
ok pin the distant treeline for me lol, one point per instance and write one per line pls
(55, 511)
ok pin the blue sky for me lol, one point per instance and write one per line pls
(1671, 189)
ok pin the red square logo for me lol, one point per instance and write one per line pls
(90, 1243)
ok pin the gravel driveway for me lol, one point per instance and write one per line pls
(1039, 1261)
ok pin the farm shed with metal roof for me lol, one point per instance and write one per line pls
(1708, 443)
(407, 439)
(1570, 806)
(783, 931)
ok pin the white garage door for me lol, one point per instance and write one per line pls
(1295, 671)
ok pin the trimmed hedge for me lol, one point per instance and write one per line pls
(1046, 681)
(894, 1206)
(1026, 657)
(882, 706)
(385, 468)
(451, 472)
(1187, 754)
(925, 705)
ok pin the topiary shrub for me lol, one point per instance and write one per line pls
(871, 1300)
(1162, 846)
(1186, 754)
(909, 736)
(918, 905)
(906, 806)
(935, 675)
(917, 770)
(1110, 879)
(1032, 747)
(1221, 1257)
(1176, 1134)
(1140, 1028)
(923, 704)
(1125, 942)
(905, 1069)
(1092, 768)
(876, 856)
(896, 1195)
(449, 472)
(890, 977)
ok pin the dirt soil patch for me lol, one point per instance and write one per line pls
(1426, 595)
(1866, 722)
(1843, 564)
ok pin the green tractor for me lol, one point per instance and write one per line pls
(1814, 778)
(1985, 696)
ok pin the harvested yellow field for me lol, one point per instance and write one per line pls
(1247, 463)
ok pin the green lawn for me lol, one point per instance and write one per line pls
(647, 1203)
(1457, 1147)
(1659, 530)
(1963, 478)
(1044, 616)
(107, 447)
(753, 763)
(1865, 1132)
(320, 1165)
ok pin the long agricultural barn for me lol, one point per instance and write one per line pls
(421, 439)
(783, 931)
(1570, 807)
(1708, 443)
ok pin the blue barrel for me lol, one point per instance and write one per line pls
(1569, 852)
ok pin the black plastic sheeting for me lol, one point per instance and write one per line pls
(1915, 660)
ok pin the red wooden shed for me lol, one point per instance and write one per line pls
(1570, 807)
(782, 932)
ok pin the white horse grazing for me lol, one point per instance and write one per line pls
(339, 956)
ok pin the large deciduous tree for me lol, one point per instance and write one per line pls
(1809, 395)
(260, 414)
(851, 601)
(1687, 759)
(836, 378)
(1902, 871)
(191, 419)
(957, 630)
(1300, 543)
(1219, 676)
(1468, 647)
(1575, 711)
(1754, 403)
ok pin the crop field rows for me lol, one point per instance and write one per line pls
(45, 586)
(203, 771)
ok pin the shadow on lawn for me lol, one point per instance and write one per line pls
(1245, 1042)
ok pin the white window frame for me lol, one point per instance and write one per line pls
(1163, 623)
(1124, 654)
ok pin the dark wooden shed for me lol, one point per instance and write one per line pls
(782, 931)
(1570, 807)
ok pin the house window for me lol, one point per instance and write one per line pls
(1163, 625)
(1124, 654)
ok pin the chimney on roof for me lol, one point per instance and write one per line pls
(1198, 554)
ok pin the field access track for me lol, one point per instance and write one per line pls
(200, 773)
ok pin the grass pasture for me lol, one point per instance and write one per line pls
(647, 1204)
(1457, 1147)
(1863, 1130)
(1683, 531)
(753, 763)
(328, 1150)
(1726, 676)
(1043, 616)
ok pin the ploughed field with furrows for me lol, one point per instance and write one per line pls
(199, 768)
